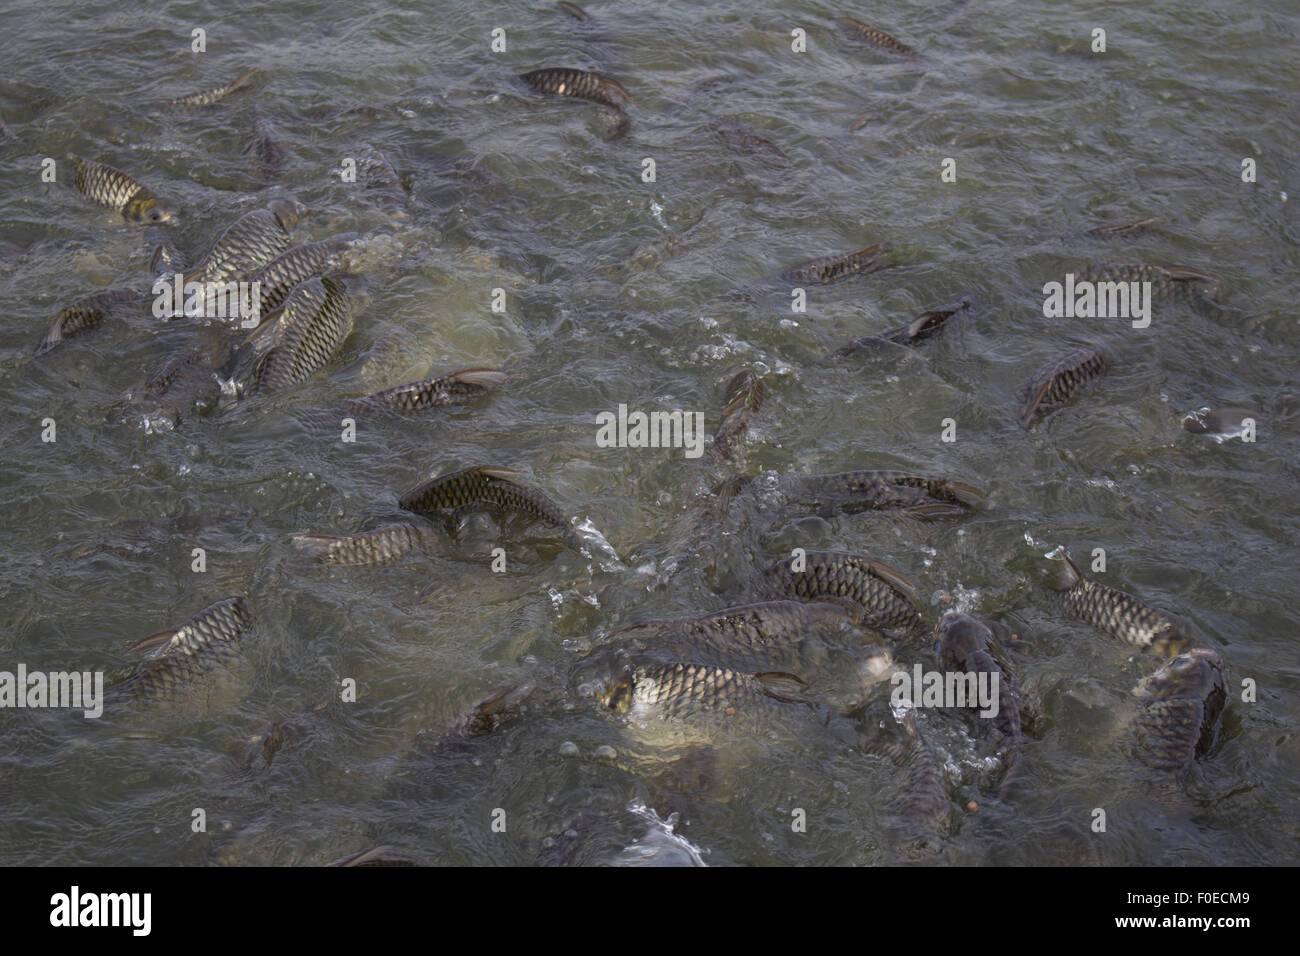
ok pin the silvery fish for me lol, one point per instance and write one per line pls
(118, 191)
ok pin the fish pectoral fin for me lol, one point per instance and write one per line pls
(782, 686)
(155, 640)
(486, 377)
(503, 474)
(1183, 274)
(893, 578)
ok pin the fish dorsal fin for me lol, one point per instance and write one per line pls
(893, 578)
(782, 686)
(1183, 274)
(502, 474)
(486, 377)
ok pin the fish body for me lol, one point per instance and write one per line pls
(263, 147)
(475, 487)
(1178, 710)
(582, 84)
(248, 244)
(454, 389)
(967, 645)
(380, 546)
(697, 692)
(1118, 613)
(85, 313)
(1057, 382)
(298, 264)
(877, 595)
(183, 655)
(833, 268)
(215, 95)
(118, 191)
(922, 496)
(313, 323)
(166, 260)
(745, 395)
(877, 37)
(1167, 282)
(920, 328)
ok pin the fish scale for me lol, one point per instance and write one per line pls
(315, 320)
(298, 264)
(85, 313)
(214, 95)
(878, 37)
(685, 691)
(381, 546)
(1061, 379)
(454, 389)
(581, 84)
(483, 485)
(118, 191)
(852, 491)
(248, 244)
(1178, 709)
(207, 640)
(1167, 282)
(1118, 613)
(967, 645)
(879, 595)
(832, 268)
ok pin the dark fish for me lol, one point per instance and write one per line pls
(85, 313)
(1227, 422)
(1167, 282)
(1178, 709)
(1118, 614)
(834, 268)
(248, 244)
(192, 373)
(572, 9)
(297, 265)
(767, 636)
(312, 324)
(1124, 228)
(648, 255)
(922, 327)
(878, 37)
(1058, 381)
(182, 655)
(741, 139)
(118, 191)
(381, 546)
(967, 645)
(380, 856)
(582, 84)
(745, 394)
(454, 389)
(208, 97)
(695, 691)
(263, 147)
(479, 486)
(921, 496)
(875, 594)
(495, 711)
(379, 175)
(166, 260)
(923, 806)
(615, 120)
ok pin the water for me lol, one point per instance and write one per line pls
(99, 526)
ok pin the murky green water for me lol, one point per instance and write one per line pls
(514, 191)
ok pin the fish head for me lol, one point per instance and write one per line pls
(150, 210)
(960, 636)
(1197, 674)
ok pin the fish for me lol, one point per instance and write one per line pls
(1178, 709)
(248, 244)
(745, 394)
(181, 656)
(378, 173)
(833, 268)
(1117, 613)
(298, 264)
(85, 313)
(1221, 423)
(677, 691)
(1057, 382)
(920, 328)
(456, 388)
(876, 595)
(501, 707)
(923, 806)
(921, 496)
(741, 139)
(380, 856)
(767, 636)
(1106, 230)
(1167, 282)
(312, 324)
(878, 37)
(215, 95)
(585, 85)
(499, 488)
(262, 146)
(166, 260)
(572, 9)
(967, 645)
(380, 546)
(193, 373)
(115, 189)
